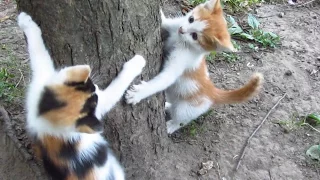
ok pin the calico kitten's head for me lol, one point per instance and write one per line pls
(69, 101)
(205, 26)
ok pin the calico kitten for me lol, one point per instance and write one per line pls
(64, 112)
(189, 91)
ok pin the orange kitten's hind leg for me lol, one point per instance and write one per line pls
(184, 112)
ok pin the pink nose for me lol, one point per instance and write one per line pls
(181, 31)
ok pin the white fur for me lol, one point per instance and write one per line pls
(187, 55)
(43, 73)
(182, 112)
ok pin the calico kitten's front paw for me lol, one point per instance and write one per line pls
(25, 22)
(134, 95)
(172, 126)
(135, 65)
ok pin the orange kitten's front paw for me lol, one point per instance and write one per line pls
(135, 93)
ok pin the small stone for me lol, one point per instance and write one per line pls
(281, 15)
(318, 58)
(256, 57)
(314, 17)
(205, 167)
(288, 73)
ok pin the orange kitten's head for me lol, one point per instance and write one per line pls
(206, 26)
(68, 101)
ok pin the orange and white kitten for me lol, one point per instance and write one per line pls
(65, 110)
(189, 91)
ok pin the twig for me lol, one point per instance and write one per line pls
(270, 177)
(19, 79)
(310, 127)
(254, 132)
(218, 169)
(305, 3)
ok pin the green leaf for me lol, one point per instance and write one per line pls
(314, 152)
(253, 22)
(273, 35)
(313, 119)
(235, 30)
(247, 36)
(231, 20)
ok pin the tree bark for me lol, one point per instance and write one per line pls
(104, 34)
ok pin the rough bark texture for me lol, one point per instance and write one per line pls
(104, 34)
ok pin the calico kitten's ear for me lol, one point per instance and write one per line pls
(212, 5)
(79, 73)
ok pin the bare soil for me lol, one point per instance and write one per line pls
(276, 152)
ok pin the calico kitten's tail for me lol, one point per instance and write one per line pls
(242, 94)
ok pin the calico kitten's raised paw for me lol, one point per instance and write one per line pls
(172, 126)
(134, 94)
(25, 22)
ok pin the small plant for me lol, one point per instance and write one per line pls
(295, 122)
(265, 39)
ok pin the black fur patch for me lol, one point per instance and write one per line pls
(164, 34)
(69, 150)
(56, 172)
(87, 86)
(101, 155)
(90, 121)
(90, 105)
(85, 164)
(49, 102)
(166, 50)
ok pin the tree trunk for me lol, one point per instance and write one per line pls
(104, 34)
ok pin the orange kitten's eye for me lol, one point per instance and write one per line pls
(191, 19)
(194, 36)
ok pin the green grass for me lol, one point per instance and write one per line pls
(193, 128)
(196, 2)
(295, 122)
(236, 6)
(11, 76)
(232, 6)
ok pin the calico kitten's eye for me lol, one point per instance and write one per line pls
(191, 19)
(194, 36)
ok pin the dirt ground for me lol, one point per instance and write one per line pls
(276, 152)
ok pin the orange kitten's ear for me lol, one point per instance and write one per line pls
(225, 45)
(212, 5)
(79, 73)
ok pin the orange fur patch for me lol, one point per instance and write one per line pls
(78, 73)
(218, 96)
(216, 32)
(69, 114)
(53, 146)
